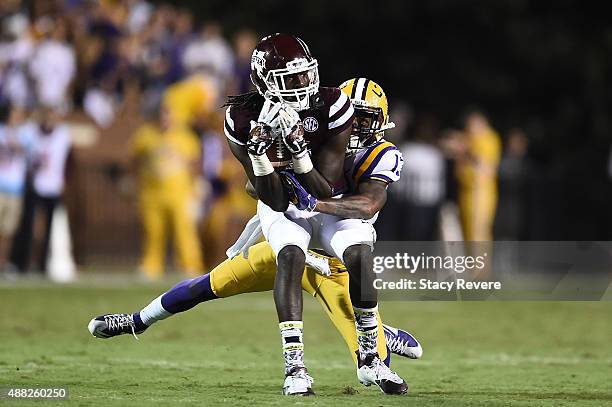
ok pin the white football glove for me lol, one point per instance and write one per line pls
(292, 130)
(277, 119)
(265, 130)
(270, 116)
(268, 112)
(288, 119)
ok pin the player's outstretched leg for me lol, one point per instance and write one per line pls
(182, 297)
(370, 369)
(402, 343)
(288, 300)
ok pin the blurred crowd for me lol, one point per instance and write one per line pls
(58, 57)
(91, 54)
(33, 165)
(465, 183)
(61, 57)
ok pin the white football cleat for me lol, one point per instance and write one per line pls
(298, 382)
(372, 370)
(109, 325)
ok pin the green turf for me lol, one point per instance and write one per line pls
(228, 352)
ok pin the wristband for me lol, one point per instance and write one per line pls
(302, 163)
(261, 165)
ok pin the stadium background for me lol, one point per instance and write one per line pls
(540, 66)
(529, 65)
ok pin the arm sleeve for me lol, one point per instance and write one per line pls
(386, 167)
(341, 114)
(229, 127)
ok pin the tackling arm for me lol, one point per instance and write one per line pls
(369, 199)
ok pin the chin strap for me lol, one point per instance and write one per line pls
(387, 126)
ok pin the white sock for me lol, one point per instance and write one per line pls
(154, 312)
(292, 337)
(366, 325)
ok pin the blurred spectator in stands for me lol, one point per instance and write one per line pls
(421, 186)
(51, 155)
(139, 14)
(476, 172)
(211, 54)
(514, 171)
(17, 139)
(13, 17)
(213, 151)
(16, 47)
(387, 226)
(192, 102)
(154, 48)
(103, 63)
(228, 207)
(182, 35)
(53, 65)
(245, 42)
(166, 156)
(49, 166)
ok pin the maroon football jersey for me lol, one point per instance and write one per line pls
(333, 115)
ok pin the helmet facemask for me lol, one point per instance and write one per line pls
(294, 85)
(368, 126)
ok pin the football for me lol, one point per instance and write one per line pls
(278, 154)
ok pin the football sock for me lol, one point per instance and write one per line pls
(366, 325)
(150, 314)
(293, 344)
(182, 297)
(187, 294)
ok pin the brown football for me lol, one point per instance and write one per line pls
(278, 154)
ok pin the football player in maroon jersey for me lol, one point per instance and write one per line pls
(372, 162)
(289, 121)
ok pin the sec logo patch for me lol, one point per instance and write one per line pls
(311, 124)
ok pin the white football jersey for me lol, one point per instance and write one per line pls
(381, 161)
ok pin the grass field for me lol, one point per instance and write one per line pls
(227, 352)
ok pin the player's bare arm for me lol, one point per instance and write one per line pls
(268, 188)
(250, 189)
(328, 168)
(369, 199)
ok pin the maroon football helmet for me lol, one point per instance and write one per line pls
(283, 69)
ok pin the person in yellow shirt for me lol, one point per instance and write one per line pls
(191, 101)
(476, 172)
(166, 156)
(228, 212)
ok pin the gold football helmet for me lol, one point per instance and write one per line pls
(371, 112)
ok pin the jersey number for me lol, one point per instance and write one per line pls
(397, 168)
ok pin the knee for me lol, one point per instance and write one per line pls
(291, 253)
(291, 256)
(357, 255)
